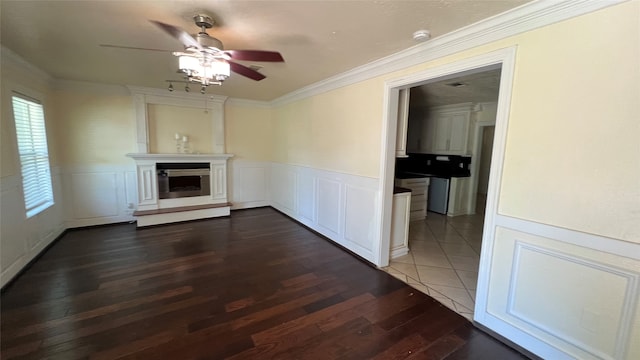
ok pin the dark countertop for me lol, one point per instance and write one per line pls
(411, 175)
(399, 190)
(415, 175)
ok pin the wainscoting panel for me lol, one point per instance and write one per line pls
(99, 194)
(248, 183)
(131, 196)
(306, 195)
(283, 188)
(94, 195)
(22, 239)
(329, 207)
(590, 310)
(360, 225)
(342, 207)
(12, 215)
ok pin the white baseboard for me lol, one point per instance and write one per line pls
(396, 253)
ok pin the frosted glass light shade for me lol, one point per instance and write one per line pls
(189, 63)
(220, 68)
(204, 70)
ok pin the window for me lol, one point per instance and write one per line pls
(34, 156)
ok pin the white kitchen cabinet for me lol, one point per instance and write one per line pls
(403, 118)
(419, 192)
(446, 130)
(400, 224)
(459, 197)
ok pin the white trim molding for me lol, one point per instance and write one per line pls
(249, 103)
(503, 58)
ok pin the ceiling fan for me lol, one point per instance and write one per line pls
(204, 59)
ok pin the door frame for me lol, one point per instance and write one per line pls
(504, 59)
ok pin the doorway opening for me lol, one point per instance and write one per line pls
(445, 241)
(446, 250)
(484, 164)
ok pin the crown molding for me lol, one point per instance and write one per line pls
(524, 18)
(138, 90)
(249, 103)
(8, 56)
(90, 87)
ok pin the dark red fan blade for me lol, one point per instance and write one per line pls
(245, 71)
(132, 48)
(255, 55)
(186, 39)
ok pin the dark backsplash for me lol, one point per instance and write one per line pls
(455, 166)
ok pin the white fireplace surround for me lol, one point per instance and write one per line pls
(147, 180)
(151, 210)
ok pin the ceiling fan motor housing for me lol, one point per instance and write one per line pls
(203, 21)
(208, 41)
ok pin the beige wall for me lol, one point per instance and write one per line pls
(248, 132)
(572, 151)
(166, 120)
(338, 130)
(93, 127)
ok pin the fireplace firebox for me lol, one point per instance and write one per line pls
(178, 180)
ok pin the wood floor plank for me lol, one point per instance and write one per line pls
(255, 285)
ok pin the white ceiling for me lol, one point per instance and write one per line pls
(478, 87)
(318, 39)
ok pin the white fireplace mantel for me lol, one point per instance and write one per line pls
(178, 157)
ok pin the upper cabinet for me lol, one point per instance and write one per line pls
(403, 116)
(440, 130)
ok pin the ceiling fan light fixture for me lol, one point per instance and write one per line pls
(201, 68)
(204, 61)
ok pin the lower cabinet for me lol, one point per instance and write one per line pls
(419, 192)
(400, 224)
(459, 197)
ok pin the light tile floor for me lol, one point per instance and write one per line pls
(443, 259)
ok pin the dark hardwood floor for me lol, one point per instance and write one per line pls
(256, 285)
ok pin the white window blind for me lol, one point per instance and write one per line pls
(34, 155)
